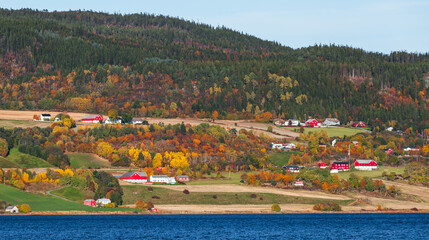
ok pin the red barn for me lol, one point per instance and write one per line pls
(92, 118)
(363, 164)
(312, 123)
(322, 165)
(89, 202)
(135, 177)
(340, 166)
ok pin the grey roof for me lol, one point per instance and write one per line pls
(90, 116)
(129, 174)
(10, 207)
(159, 176)
(183, 176)
(137, 119)
(46, 114)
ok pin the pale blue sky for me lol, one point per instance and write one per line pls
(377, 25)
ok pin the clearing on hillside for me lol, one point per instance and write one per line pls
(26, 160)
(333, 131)
(84, 160)
(4, 163)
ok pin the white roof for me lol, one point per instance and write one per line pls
(364, 160)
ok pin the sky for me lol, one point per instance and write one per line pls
(373, 25)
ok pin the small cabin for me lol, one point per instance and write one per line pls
(102, 201)
(298, 183)
(322, 165)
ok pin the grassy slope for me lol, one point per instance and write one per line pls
(39, 202)
(281, 158)
(334, 131)
(371, 174)
(80, 160)
(70, 193)
(4, 163)
(26, 160)
(132, 193)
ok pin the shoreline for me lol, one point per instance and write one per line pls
(81, 213)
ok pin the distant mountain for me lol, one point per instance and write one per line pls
(147, 65)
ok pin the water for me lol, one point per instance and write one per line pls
(247, 226)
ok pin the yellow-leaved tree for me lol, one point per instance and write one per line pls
(157, 160)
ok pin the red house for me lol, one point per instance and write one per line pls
(359, 124)
(183, 178)
(322, 165)
(89, 202)
(340, 166)
(312, 123)
(92, 118)
(364, 164)
(134, 177)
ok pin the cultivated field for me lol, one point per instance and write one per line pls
(333, 131)
(87, 160)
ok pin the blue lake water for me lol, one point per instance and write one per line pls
(246, 226)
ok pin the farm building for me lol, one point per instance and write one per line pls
(322, 165)
(279, 122)
(291, 168)
(292, 122)
(288, 146)
(331, 122)
(137, 121)
(45, 117)
(340, 166)
(12, 209)
(162, 179)
(277, 145)
(312, 123)
(359, 124)
(365, 164)
(89, 202)
(110, 121)
(298, 184)
(92, 118)
(102, 201)
(183, 178)
(134, 177)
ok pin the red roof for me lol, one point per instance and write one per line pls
(134, 176)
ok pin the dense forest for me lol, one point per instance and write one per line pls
(158, 66)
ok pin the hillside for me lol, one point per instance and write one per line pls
(156, 66)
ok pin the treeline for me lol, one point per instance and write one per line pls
(158, 66)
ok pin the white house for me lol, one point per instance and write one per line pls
(289, 146)
(292, 122)
(298, 183)
(331, 122)
(137, 121)
(162, 179)
(109, 121)
(45, 117)
(12, 209)
(102, 201)
(277, 145)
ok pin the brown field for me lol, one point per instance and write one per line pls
(257, 128)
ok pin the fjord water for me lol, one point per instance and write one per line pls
(246, 226)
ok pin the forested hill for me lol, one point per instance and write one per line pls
(148, 65)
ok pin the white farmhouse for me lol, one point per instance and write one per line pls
(45, 117)
(331, 122)
(292, 122)
(162, 179)
(12, 209)
(102, 201)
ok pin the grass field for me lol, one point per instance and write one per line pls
(333, 131)
(371, 174)
(39, 202)
(281, 158)
(70, 193)
(26, 160)
(81, 160)
(4, 163)
(132, 193)
(10, 124)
